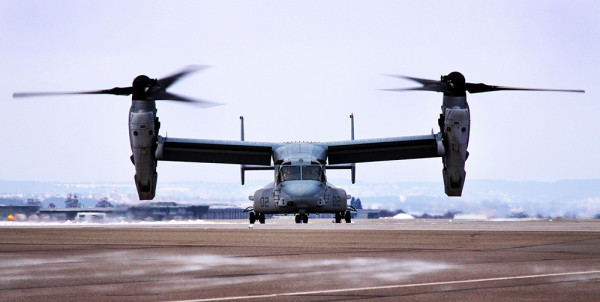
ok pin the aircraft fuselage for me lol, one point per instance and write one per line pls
(300, 196)
(300, 185)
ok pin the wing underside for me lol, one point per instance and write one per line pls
(396, 148)
(214, 151)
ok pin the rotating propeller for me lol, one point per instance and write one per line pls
(143, 88)
(454, 84)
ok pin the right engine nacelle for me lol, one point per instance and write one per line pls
(455, 125)
(143, 136)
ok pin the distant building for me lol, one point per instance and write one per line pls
(225, 212)
(367, 214)
(72, 213)
(155, 211)
(26, 211)
(166, 211)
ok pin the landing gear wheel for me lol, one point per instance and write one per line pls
(261, 218)
(252, 217)
(305, 218)
(298, 218)
(348, 217)
(338, 217)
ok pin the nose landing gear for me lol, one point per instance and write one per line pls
(256, 216)
(346, 215)
(302, 218)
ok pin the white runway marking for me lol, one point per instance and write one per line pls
(329, 291)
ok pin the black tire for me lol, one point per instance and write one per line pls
(338, 217)
(261, 218)
(298, 218)
(305, 218)
(252, 217)
(348, 217)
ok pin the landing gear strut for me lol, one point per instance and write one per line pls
(348, 217)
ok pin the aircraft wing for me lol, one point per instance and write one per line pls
(214, 151)
(382, 149)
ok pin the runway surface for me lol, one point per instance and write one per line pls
(375, 260)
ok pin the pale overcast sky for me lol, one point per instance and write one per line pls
(296, 70)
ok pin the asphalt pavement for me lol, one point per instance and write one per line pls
(371, 260)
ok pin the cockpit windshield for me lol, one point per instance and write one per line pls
(290, 173)
(313, 172)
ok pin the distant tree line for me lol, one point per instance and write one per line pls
(72, 201)
(104, 203)
(34, 202)
(356, 203)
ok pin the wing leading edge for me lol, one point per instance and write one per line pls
(214, 151)
(394, 148)
(259, 153)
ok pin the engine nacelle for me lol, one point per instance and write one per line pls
(455, 123)
(143, 135)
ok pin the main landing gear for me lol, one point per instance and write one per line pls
(302, 218)
(347, 217)
(257, 216)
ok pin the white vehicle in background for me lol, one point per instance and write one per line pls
(90, 217)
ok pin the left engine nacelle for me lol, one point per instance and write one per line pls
(143, 134)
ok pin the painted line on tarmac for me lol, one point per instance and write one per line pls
(329, 291)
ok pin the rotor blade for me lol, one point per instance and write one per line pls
(167, 96)
(114, 91)
(424, 88)
(170, 80)
(435, 86)
(480, 87)
(418, 80)
(428, 85)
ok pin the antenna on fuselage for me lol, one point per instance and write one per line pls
(352, 126)
(242, 167)
(353, 169)
(242, 129)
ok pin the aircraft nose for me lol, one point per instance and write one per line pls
(302, 191)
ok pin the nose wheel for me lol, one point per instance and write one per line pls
(301, 218)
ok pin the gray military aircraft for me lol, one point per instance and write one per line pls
(300, 184)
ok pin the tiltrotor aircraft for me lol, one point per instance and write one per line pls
(300, 184)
